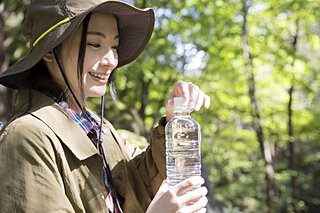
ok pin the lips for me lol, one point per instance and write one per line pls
(99, 77)
(102, 76)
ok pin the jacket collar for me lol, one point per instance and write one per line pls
(68, 131)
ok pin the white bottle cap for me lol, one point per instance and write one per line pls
(179, 102)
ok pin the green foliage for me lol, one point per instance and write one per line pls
(200, 41)
(15, 43)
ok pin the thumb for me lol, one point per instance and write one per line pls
(169, 109)
(164, 187)
(170, 102)
(159, 201)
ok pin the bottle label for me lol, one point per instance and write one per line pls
(183, 132)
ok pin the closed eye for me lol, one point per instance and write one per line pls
(94, 45)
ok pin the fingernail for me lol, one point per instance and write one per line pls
(204, 190)
(198, 180)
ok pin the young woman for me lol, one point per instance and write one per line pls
(57, 156)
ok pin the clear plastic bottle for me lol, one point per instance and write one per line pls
(183, 138)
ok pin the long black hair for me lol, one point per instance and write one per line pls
(41, 80)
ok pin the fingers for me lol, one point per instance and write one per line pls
(206, 101)
(192, 94)
(200, 100)
(204, 210)
(164, 186)
(194, 195)
(199, 206)
(193, 201)
(187, 184)
(176, 200)
(180, 90)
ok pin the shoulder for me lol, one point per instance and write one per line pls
(27, 124)
(26, 128)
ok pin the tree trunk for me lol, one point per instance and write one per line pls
(144, 101)
(144, 4)
(291, 142)
(291, 147)
(4, 63)
(265, 147)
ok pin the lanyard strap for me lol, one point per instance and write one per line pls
(105, 161)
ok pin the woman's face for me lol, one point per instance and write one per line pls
(101, 56)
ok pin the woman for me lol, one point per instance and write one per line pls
(54, 155)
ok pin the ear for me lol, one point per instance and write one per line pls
(49, 57)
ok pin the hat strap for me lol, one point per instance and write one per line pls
(68, 85)
(49, 30)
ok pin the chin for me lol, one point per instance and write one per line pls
(96, 92)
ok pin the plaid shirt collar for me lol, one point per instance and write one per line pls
(91, 128)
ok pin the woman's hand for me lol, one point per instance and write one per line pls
(176, 200)
(192, 95)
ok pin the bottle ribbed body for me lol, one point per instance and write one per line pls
(183, 155)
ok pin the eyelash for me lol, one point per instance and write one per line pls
(98, 45)
(94, 45)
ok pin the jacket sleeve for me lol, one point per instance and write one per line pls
(29, 175)
(152, 162)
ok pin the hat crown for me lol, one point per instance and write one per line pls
(78, 6)
(43, 14)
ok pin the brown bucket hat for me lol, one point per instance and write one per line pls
(49, 22)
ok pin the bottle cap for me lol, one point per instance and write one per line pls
(179, 102)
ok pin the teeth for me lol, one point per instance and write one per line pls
(98, 75)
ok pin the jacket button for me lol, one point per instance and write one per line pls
(120, 176)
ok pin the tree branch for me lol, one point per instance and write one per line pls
(265, 146)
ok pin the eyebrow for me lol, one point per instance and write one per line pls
(101, 34)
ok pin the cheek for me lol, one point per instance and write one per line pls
(91, 62)
(87, 67)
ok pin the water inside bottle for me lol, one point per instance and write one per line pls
(182, 150)
(183, 161)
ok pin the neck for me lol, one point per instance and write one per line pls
(72, 102)
(75, 107)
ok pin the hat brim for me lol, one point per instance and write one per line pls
(135, 29)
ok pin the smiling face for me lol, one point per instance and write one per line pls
(100, 59)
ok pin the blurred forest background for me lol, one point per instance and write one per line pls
(258, 60)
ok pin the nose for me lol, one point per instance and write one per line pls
(109, 60)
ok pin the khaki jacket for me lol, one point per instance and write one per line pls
(48, 164)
